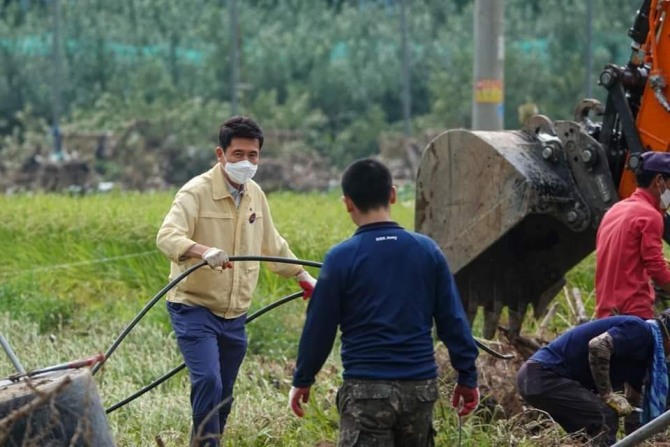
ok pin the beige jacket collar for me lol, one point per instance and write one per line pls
(219, 185)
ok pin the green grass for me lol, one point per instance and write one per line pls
(77, 269)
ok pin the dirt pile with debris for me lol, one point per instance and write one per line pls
(497, 379)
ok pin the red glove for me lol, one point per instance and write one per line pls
(307, 283)
(465, 399)
(295, 397)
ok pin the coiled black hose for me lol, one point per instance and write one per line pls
(174, 282)
(252, 317)
(174, 371)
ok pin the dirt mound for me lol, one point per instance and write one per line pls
(497, 381)
(496, 377)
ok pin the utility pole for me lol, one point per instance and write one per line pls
(589, 48)
(56, 79)
(234, 56)
(406, 73)
(488, 106)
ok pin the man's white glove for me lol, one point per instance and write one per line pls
(618, 403)
(215, 257)
(307, 283)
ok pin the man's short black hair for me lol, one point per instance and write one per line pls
(239, 127)
(368, 184)
(644, 177)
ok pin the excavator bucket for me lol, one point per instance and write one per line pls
(513, 211)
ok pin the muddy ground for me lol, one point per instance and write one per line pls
(497, 379)
(501, 402)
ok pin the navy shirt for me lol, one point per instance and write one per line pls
(633, 342)
(383, 287)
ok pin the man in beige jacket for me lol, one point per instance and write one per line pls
(218, 212)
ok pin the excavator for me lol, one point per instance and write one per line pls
(515, 210)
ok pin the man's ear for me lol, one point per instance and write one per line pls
(219, 154)
(348, 204)
(394, 195)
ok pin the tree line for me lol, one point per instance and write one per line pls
(328, 69)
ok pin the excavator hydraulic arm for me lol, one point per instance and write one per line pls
(514, 211)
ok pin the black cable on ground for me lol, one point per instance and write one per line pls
(181, 276)
(492, 352)
(147, 388)
(174, 371)
(143, 312)
(252, 317)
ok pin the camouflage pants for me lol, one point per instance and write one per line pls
(386, 413)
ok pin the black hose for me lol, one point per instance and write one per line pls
(143, 312)
(278, 259)
(249, 319)
(174, 282)
(174, 371)
(492, 352)
(147, 388)
(271, 306)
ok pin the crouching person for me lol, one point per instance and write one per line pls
(574, 377)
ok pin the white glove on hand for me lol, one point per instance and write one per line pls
(618, 403)
(215, 257)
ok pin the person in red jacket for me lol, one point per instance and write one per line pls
(629, 247)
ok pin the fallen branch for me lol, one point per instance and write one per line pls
(545, 321)
(568, 300)
(579, 306)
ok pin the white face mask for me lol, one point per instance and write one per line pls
(241, 171)
(665, 199)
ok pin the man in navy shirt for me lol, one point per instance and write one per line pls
(384, 287)
(573, 377)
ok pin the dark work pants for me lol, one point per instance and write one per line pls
(386, 413)
(213, 349)
(569, 403)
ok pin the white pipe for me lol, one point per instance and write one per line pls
(646, 431)
(12, 357)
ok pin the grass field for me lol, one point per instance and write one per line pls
(75, 270)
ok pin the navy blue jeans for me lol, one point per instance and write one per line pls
(213, 350)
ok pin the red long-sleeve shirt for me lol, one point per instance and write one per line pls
(629, 253)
